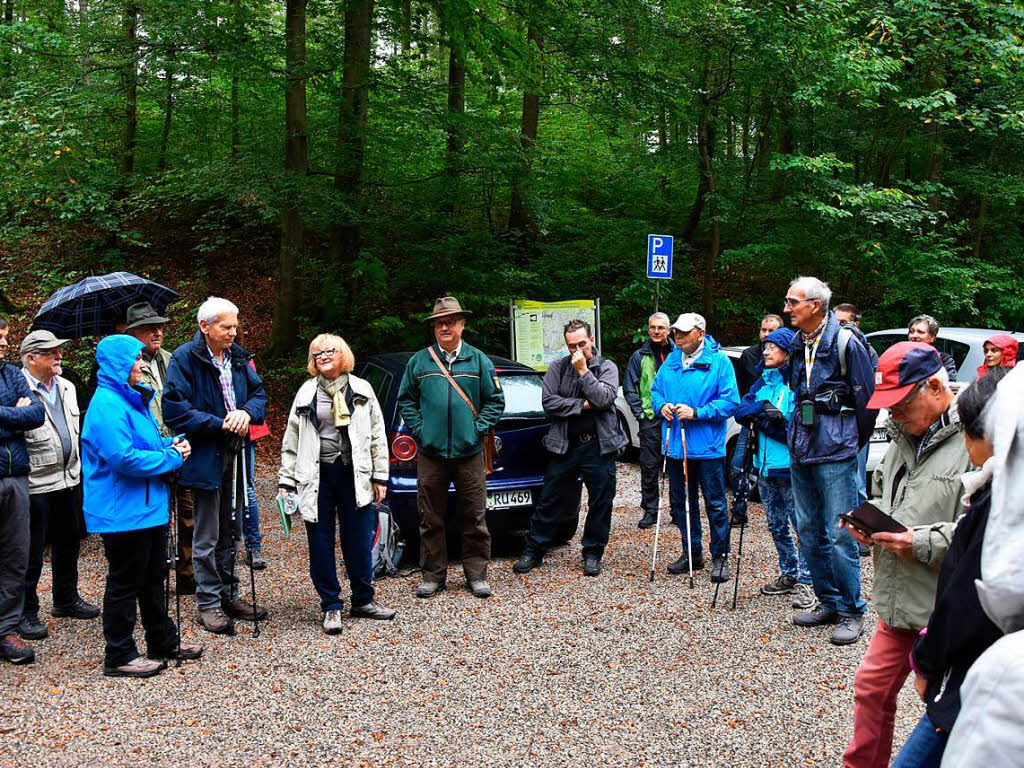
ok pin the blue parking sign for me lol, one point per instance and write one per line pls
(659, 256)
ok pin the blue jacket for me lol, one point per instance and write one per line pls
(771, 455)
(843, 422)
(193, 404)
(14, 421)
(123, 452)
(709, 387)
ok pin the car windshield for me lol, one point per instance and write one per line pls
(522, 396)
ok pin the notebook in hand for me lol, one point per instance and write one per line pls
(870, 519)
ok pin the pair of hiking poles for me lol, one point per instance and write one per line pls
(742, 492)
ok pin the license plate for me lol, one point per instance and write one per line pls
(509, 499)
(880, 435)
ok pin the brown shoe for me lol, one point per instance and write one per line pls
(214, 620)
(186, 653)
(139, 667)
(243, 610)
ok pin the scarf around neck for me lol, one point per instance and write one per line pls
(336, 390)
(809, 337)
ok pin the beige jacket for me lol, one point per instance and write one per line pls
(47, 471)
(300, 447)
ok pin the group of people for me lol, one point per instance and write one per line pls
(174, 432)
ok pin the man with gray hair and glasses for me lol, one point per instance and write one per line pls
(833, 380)
(636, 387)
(925, 328)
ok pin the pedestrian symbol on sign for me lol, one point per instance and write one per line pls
(659, 256)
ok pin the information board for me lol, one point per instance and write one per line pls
(537, 338)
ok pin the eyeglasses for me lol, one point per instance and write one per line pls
(793, 302)
(903, 404)
(449, 323)
(324, 353)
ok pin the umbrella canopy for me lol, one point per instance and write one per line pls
(93, 306)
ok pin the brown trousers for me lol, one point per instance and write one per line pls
(186, 524)
(433, 477)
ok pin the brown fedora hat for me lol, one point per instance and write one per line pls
(446, 306)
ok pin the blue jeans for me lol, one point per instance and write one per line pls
(821, 492)
(924, 746)
(707, 475)
(738, 452)
(337, 500)
(251, 521)
(777, 498)
(862, 472)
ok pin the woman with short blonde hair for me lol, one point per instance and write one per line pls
(334, 464)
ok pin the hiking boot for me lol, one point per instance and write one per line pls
(816, 617)
(803, 597)
(781, 586)
(719, 569)
(76, 610)
(647, 521)
(216, 621)
(428, 589)
(848, 631)
(591, 566)
(527, 563)
(255, 560)
(332, 623)
(139, 667)
(682, 565)
(243, 610)
(479, 588)
(30, 628)
(14, 649)
(185, 653)
(371, 610)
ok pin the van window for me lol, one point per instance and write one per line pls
(883, 341)
(955, 349)
(380, 380)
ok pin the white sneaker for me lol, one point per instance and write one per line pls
(803, 597)
(332, 623)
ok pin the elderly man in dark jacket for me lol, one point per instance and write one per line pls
(19, 412)
(212, 395)
(579, 395)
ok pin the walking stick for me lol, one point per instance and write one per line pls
(172, 561)
(252, 570)
(657, 522)
(745, 480)
(686, 497)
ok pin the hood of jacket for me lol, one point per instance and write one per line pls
(116, 356)
(1007, 345)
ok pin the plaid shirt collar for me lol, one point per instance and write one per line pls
(224, 371)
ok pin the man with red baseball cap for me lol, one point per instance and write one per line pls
(920, 486)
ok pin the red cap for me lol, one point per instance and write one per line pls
(900, 367)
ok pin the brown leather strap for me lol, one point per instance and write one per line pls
(451, 381)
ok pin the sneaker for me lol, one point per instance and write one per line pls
(332, 623)
(255, 560)
(30, 628)
(591, 566)
(647, 521)
(243, 610)
(216, 621)
(781, 586)
(14, 649)
(139, 667)
(371, 610)
(848, 631)
(527, 563)
(79, 609)
(817, 617)
(682, 564)
(479, 588)
(719, 569)
(428, 589)
(185, 653)
(803, 597)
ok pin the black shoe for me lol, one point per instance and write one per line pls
(647, 521)
(591, 566)
(527, 563)
(30, 628)
(818, 617)
(13, 649)
(682, 565)
(738, 519)
(255, 560)
(720, 569)
(77, 610)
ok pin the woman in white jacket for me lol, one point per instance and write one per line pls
(334, 457)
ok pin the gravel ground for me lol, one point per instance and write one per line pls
(555, 669)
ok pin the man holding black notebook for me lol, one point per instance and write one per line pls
(920, 487)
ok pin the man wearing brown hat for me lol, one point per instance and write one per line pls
(54, 486)
(450, 398)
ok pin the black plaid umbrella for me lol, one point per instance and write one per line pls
(92, 307)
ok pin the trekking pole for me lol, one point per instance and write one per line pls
(746, 467)
(686, 497)
(173, 559)
(657, 521)
(248, 550)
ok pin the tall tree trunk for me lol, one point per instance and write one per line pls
(520, 217)
(284, 332)
(783, 146)
(982, 220)
(8, 11)
(165, 134)
(745, 147)
(705, 147)
(456, 110)
(346, 236)
(237, 42)
(130, 91)
(406, 31)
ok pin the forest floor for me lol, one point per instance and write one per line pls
(555, 669)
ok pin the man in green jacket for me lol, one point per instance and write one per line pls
(450, 436)
(919, 485)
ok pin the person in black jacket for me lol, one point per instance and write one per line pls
(958, 631)
(19, 412)
(926, 328)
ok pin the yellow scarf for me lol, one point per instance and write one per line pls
(336, 389)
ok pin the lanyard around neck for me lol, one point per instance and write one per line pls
(810, 355)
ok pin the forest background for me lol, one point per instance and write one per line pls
(335, 165)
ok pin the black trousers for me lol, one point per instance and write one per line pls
(650, 464)
(54, 521)
(138, 566)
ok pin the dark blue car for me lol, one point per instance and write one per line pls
(514, 486)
